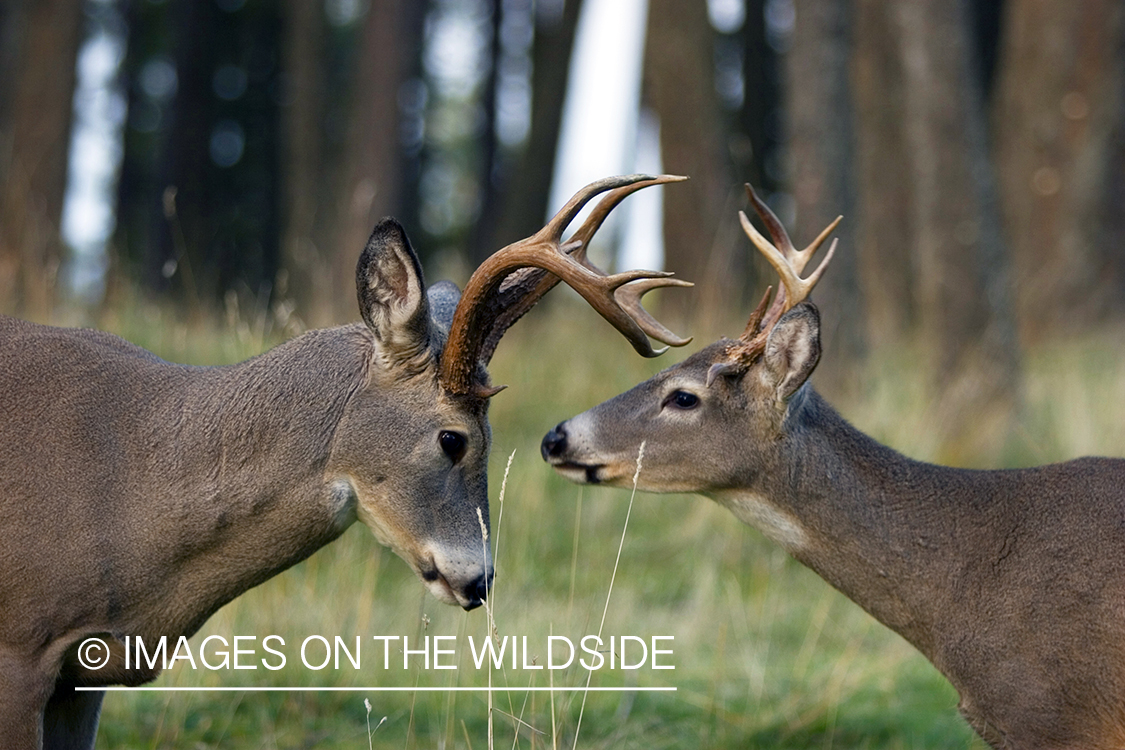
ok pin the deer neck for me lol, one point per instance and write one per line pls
(243, 474)
(878, 526)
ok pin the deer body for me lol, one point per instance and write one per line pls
(180, 481)
(139, 496)
(1011, 582)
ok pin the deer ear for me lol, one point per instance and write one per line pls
(793, 349)
(391, 291)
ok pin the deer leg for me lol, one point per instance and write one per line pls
(24, 691)
(70, 721)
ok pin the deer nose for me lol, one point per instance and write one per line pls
(477, 590)
(554, 443)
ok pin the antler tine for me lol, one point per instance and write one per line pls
(777, 259)
(627, 294)
(789, 264)
(552, 232)
(809, 251)
(538, 282)
(799, 258)
(522, 289)
(599, 213)
(779, 256)
(756, 316)
(492, 300)
(811, 280)
(629, 297)
(773, 224)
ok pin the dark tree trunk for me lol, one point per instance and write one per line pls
(524, 204)
(883, 206)
(184, 234)
(820, 152)
(135, 252)
(962, 286)
(305, 277)
(372, 167)
(679, 87)
(198, 197)
(1112, 215)
(490, 170)
(760, 114)
(41, 42)
(1057, 112)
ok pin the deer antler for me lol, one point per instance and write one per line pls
(789, 262)
(513, 279)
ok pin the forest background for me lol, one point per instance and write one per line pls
(171, 164)
(210, 153)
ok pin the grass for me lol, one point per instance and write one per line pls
(766, 654)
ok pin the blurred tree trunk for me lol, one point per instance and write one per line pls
(344, 163)
(759, 115)
(41, 42)
(819, 125)
(961, 281)
(1114, 218)
(1058, 108)
(490, 155)
(679, 87)
(883, 209)
(756, 146)
(135, 251)
(305, 277)
(524, 203)
(180, 262)
(372, 165)
(198, 198)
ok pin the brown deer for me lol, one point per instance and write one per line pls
(1011, 582)
(138, 496)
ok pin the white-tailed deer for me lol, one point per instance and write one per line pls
(1011, 582)
(138, 496)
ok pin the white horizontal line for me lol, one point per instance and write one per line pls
(376, 689)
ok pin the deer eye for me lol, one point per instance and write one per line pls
(452, 445)
(682, 400)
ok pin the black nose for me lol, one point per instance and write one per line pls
(554, 443)
(477, 591)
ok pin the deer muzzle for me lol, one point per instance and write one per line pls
(556, 450)
(457, 578)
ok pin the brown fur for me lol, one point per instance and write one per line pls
(138, 496)
(1011, 582)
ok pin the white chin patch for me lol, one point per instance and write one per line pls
(757, 511)
(442, 592)
(575, 474)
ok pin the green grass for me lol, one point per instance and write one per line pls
(766, 654)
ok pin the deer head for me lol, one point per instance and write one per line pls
(692, 415)
(427, 387)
